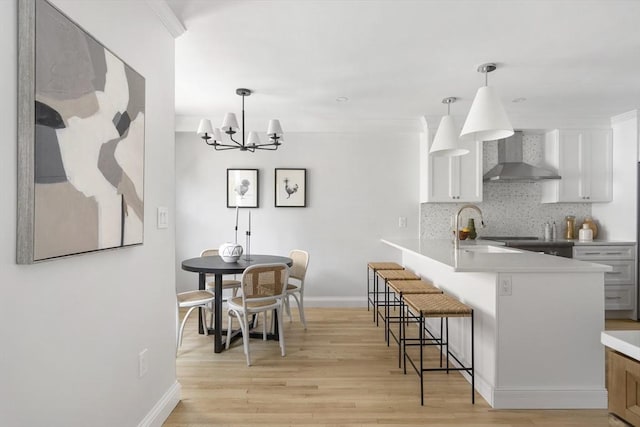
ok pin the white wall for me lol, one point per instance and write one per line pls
(358, 186)
(72, 329)
(618, 219)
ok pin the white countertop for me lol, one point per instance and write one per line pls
(602, 243)
(625, 342)
(467, 260)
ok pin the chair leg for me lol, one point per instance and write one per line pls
(287, 306)
(229, 329)
(264, 327)
(184, 321)
(203, 315)
(244, 325)
(177, 329)
(280, 331)
(212, 310)
(300, 302)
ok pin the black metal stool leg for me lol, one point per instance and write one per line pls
(421, 342)
(473, 372)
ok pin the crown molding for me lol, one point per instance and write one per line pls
(167, 17)
(629, 115)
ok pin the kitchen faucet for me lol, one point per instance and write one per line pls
(456, 240)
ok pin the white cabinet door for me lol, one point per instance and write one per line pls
(451, 179)
(600, 166)
(583, 159)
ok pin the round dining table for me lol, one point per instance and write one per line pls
(216, 266)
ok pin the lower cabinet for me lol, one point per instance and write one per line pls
(620, 283)
(623, 385)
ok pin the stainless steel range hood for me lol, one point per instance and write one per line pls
(511, 168)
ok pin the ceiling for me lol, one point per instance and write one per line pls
(574, 62)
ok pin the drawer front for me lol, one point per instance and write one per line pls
(622, 274)
(619, 298)
(588, 253)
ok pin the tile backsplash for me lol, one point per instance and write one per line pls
(509, 209)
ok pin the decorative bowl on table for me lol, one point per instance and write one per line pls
(230, 252)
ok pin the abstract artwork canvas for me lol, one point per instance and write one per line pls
(81, 140)
(291, 188)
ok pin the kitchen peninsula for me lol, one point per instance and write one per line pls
(538, 320)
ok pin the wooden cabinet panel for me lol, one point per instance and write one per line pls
(624, 387)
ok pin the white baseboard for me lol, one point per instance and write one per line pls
(335, 301)
(539, 398)
(162, 409)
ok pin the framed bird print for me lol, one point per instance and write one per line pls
(242, 188)
(291, 188)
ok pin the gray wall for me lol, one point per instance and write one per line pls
(72, 328)
(358, 187)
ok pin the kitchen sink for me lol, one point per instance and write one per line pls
(488, 249)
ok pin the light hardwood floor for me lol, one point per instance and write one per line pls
(337, 373)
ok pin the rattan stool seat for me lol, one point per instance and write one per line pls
(373, 295)
(406, 287)
(384, 266)
(437, 306)
(397, 275)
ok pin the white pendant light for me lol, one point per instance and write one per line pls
(487, 119)
(447, 140)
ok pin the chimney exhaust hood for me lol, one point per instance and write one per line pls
(511, 168)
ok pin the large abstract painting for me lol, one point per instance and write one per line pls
(81, 141)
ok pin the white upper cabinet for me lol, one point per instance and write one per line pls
(450, 179)
(584, 160)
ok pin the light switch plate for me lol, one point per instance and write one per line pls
(163, 217)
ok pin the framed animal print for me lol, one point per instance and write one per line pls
(242, 188)
(291, 188)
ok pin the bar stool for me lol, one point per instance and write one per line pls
(399, 289)
(373, 267)
(422, 306)
(387, 275)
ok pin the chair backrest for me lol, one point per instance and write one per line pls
(264, 281)
(300, 262)
(209, 252)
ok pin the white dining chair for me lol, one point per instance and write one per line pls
(264, 288)
(232, 284)
(193, 300)
(295, 286)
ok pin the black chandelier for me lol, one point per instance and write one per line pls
(230, 127)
